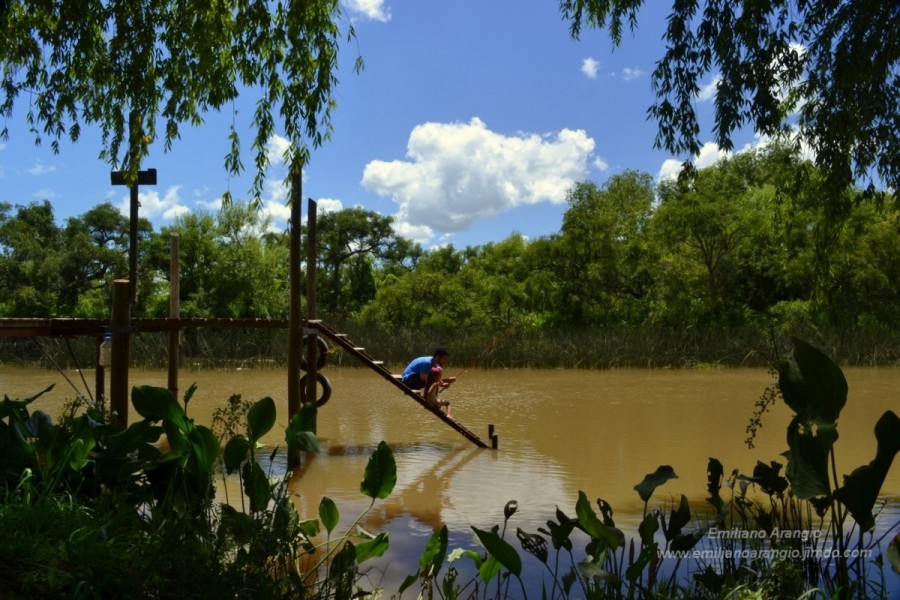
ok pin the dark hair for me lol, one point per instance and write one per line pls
(440, 352)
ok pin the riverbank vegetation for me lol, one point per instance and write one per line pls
(715, 269)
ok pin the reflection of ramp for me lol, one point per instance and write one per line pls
(341, 340)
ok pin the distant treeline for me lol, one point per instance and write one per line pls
(717, 268)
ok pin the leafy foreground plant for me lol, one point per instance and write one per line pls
(800, 543)
(90, 510)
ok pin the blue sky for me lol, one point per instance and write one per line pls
(469, 123)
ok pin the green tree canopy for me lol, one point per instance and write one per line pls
(829, 70)
(127, 65)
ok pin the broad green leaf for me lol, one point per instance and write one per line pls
(372, 548)
(435, 550)
(237, 450)
(381, 473)
(590, 569)
(861, 488)
(310, 527)
(205, 446)
(653, 480)
(685, 541)
(489, 569)
(634, 570)
(812, 385)
(260, 419)
(407, 583)
(80, 452)
(807, 467)
(158, 404)
(498, 548)
(678, 518)
(510, 509)
(648, 527)
(256, 486)
(328, 513)
(588, 520)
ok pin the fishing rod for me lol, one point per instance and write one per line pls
(494, 343)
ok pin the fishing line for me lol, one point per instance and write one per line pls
(494, 343)
(54, 363)
(78, 368)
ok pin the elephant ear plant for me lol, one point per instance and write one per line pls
(814, 387)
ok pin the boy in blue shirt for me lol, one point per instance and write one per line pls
(425, 373)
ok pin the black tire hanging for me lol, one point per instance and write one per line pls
(321, 354)
(326, 389)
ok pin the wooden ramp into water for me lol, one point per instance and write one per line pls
(341, 340)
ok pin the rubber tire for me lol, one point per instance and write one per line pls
(326, 389)
(321, 354)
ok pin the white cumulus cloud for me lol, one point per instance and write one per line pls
(457, 173)
(153, 205)
(40, 168)
(629, 74)
(709, 155)
(589, 67)
(369, 9)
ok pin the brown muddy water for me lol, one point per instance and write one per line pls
(560, 432)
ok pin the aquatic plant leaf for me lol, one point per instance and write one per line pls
(205, 446)
(489, 569)
(80, 452)
(678, 518)
(435, 550)
(260, 418)
(158, 404)
(769, 478)
(588, 520)
(607, 512)
(236, 452)
(300, 434)
(634, 570)
(533, 544)
(501, 550)
(653, 480)
(407, 583)
(372, 548)
(685, 541)
(381, 473)
(10, 408)
(256, 486)
(807, 467)
(648, 527)
(309, 528)
(860, 490)
(343, 570)
(37, 423)
(812, 385)
(328, 513)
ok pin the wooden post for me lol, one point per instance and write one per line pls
(295, 341)
(174, 312)
(147, 177)
(311, 334)
(100, 377)
(120, 324)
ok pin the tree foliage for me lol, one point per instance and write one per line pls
(142, 69)
(828, 71)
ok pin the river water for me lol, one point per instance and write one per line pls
(559, 432)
